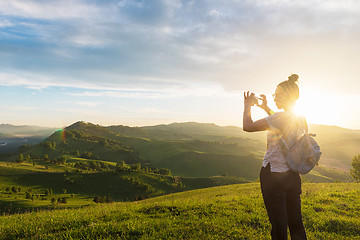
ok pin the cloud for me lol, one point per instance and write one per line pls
(48, 9)
(5, 23)
(121, 94)
(157, 111)
(88, 104)
(149, 12)
(167, 44)
(195, 90)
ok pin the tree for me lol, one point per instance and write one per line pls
(99, 199)
(45, 157)
(14, 189)
(104, 142)
(20, 158)
(49, 145)
(27, 158)
(120, 165)
(96, 199)
(77, 153)
(61, 160)
(109, 199)
(87, 155)
(355, 172)
(28, 195)
(136, 167)
(165, 171)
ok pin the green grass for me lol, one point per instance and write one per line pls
(229, 212)
(192, 164)
(83, 186)
(187, 157)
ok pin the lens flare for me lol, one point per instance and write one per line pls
(62, 134)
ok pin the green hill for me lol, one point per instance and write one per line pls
(339, 145)
(185, 148)
(192, 163)
(330, 211)
(26, 187)
(81, 139)
(184, 156)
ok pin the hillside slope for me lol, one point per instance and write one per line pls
(27, 187)
(230, 212)
(185, 148)
(339, 145)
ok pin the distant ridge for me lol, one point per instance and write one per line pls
(191, 145)
(26, 130)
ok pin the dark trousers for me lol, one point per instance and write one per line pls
(281, 193)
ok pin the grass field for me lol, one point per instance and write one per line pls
(331, 211)
(27, 187)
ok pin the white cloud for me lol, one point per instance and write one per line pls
(12, 108)
(214, 13)
(5, 23)
(64, 9)
(159, 111)
(88, 104)
(163, 44)
(123, 94)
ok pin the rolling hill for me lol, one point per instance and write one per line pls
(75, 167)
(27, 187)
(83, 159)
(185, 148)
(339, 145)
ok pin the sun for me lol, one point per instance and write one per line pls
(316, 107)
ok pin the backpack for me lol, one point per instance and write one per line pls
(303, 155)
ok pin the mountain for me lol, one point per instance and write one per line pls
(12, 137)
(194, 149)
(26, 130)
(338, 145)
(85, 140)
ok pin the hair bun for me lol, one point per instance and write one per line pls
(293, 78)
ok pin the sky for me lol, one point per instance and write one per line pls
(140, 62)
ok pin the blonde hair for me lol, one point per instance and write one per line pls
(290, 87)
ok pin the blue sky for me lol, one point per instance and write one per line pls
(151, 62)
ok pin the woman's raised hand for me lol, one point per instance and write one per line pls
(249, 98)
(263, 99)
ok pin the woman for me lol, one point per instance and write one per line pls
(280, 186)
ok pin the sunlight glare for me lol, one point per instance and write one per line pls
(318, 107)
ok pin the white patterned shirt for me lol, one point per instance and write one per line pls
(284, 125)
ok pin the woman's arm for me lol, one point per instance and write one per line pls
(248, 124)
